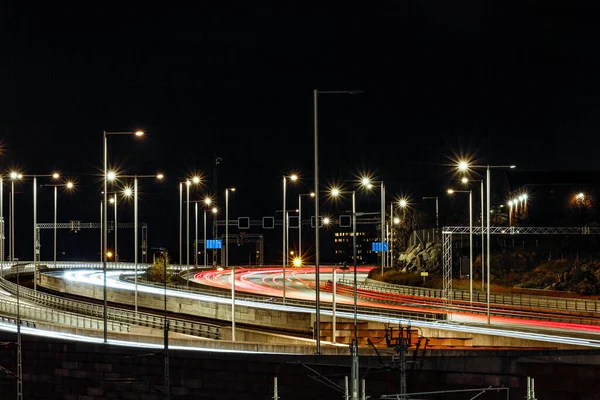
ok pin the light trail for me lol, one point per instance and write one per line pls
(95, 277)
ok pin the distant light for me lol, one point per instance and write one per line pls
(127, 192)
(207, 201)
(403, 203)
(396, 220)
(160, 176)
(111, 200)
(510, 203)
(525, 197)
(292, 252)
(232, 189)
(297, 262)
(312, 194)
(70, 185)
(55, 175)
(109, 254)
(326, 221)
(294, 177)
(111, 176)
(335, 192)
(580, 195)
(214, 210)
(513, 166)
(366, 182)
(220, 269)
(139, 133)
(196, 179)
(450, 191)
(14, 175)
(521, 198)
(464, 179)
(463, 166)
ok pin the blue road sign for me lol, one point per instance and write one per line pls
(214, 244)
(376, 247)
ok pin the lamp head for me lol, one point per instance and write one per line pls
(139, 133)
(464, 179)
(111, 175)
(463, 166)
(196, 180)
(335, 192)
(160, 176)
(127, 192)
(207, 201)
(450, 191)
(69, 185)
(55, 175)
(312, 194)
(403, 203)
(293, 177)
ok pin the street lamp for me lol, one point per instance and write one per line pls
(335, 192)
(312, 194)
(105, 219)
(293, 178)
(366, 183)
(452, 191)
(127, 192)
(316, 93)
(36, 249)
(227, 261)
(67, 186)
(465, 166)
(195, 180)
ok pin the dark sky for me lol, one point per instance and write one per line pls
(510, 83)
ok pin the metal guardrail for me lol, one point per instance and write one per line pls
(44, 314)
(544, 302)
(226, 293)
(176, 325)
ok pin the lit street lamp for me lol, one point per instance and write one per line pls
(452, 191)
(127, 192)
(105, 219)
(227, 262)
(465, 166)
(292, 178)
(366, 182)
(312, 194)
(68, 186)
(335, 193)
(316, 93)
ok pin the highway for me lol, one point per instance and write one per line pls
(268, 281)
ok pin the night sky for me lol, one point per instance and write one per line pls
(506, 83)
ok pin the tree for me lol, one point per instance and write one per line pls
(157, 270)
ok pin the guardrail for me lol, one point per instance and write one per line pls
(545, 302)
(59, 317)
(177, 325)
(307, 304)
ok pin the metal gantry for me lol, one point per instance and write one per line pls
(243, 238)
(448, 231)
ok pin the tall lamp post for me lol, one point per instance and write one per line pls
(193, 180)
(15, 176)
(368, 184)
(284, 252)
(207, 202)
(68, 186)
(227, 261)
(465, 166)
(128, 192)
(335, 192)
(105, 219)
(35, 241)
(452, 191)
(312, 194)
(316, 93)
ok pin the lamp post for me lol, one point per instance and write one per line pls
(465, 166)
(127, 192)
(68, 186)
(335, 192)
(292, 178)
(312, 194)
(35, 241)
(452, 191)
(368, 184)
(105, 219)
(227, 261)
(316, 93)
(193, 180)
(207, 203)
(15, 176)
